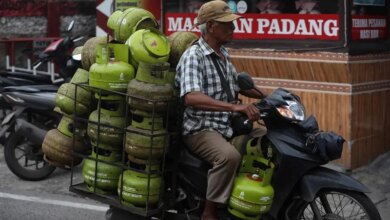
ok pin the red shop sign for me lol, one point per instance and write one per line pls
(268, 26)
(368, 27)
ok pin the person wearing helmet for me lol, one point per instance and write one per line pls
(207, 114)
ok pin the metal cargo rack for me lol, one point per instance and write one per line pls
(168, 191)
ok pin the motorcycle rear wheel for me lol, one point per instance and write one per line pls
(338, 204)
(25, 159)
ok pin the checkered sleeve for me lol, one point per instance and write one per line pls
(190, 71)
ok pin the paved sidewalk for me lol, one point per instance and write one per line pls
(376, 176)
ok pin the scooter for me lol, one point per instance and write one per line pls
(60, 52)
(24, 128)
(281, 176)
(57, 52)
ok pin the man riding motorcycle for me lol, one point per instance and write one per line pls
(207, 80)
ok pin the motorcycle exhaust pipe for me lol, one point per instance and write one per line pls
(34, 134)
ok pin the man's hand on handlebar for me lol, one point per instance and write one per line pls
(249, 110)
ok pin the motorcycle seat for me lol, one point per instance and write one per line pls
(189, 158)
(26, 76)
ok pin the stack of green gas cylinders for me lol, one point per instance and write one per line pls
(148, 96)
(60, 144)
(108, 80)
(131, 87)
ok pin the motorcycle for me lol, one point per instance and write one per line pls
(57, 52)
(281, 176)
(23, 130)
(24, 127)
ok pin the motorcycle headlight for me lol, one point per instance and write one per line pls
(293, 111)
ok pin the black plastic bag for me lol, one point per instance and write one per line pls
(327, 145)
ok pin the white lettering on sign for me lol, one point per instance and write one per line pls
(368, 28)
(256, 26)
(245, 26)
(365, 34)
(359, 23)
(331, 28)
(371, 22)
(181, 24)
(309, 27)
(377, 22)
(369, 34)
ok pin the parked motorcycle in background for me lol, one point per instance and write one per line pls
(28, 110)
(58, 52)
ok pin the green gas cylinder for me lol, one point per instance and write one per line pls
(148, 46)
(147, 121)
(107, 126)
(80, 76)
(149, 97)
(145, 144)
(70, 100)
(248, 145)
(139, 189)
(252, 193)
(66, 94)
(170, 78)
(88, 53)
(179, 42)
(129, 21)
(106, 178)
(58, 149)
(106, 154)
(111, 76)
(68, 127)
(153, 73)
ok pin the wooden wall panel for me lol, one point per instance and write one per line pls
(292, 66)
(369, 71)
(378, 128)
(358, 151)
(294, 70)
(369, 125)
(361, 116)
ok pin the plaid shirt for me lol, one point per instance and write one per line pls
(196, 72)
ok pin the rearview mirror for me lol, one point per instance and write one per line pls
(245, 81)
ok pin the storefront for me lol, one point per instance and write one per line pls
(335, 54)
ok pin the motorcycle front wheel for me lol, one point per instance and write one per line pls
(25, 159)
(337, 204)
